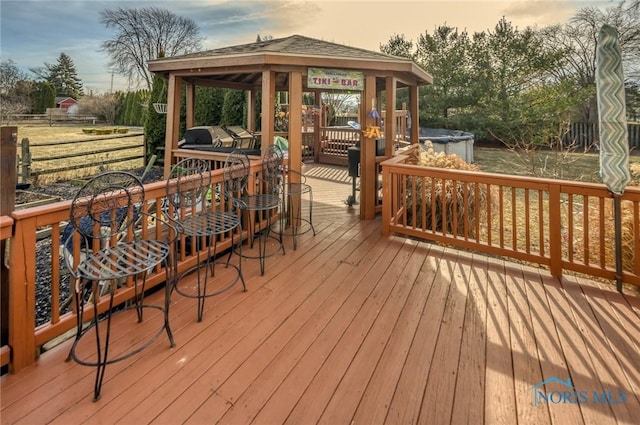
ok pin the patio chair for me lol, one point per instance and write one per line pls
(243, 138)
(226, 140)
(104, 214)
(260, 205)
(190, 194)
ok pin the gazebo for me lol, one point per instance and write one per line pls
(295, 64)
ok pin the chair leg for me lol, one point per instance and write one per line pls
(313, 229)
(102, 357)
(262, 245)
(202, 286)
(244, 286)
(168, 287)
(79, 296)
(283, 223)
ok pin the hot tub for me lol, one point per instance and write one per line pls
(455, 142)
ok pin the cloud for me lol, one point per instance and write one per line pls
(35, 32)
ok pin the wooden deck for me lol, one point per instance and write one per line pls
(356, 328)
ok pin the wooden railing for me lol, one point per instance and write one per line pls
(559, 224)
(25, 339)
(6, 227)
(334, 143)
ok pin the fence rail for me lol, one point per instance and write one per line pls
(48, 118)
(95, 157)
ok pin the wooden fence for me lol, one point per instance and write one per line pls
(50, 119)
(585, 135)
(88, 156)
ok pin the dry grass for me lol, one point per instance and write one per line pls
(434, 199)
(38, 135)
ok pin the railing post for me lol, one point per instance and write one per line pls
(8, 139)
(22, 278)
(555, 235)
(386, 200)
(25, 167)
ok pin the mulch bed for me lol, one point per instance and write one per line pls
(61, 190)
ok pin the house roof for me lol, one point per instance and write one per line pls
(60, 99)
(243, 64)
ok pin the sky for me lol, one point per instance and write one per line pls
(35, 32)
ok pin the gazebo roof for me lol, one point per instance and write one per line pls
(241, 66)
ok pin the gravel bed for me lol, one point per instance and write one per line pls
(63, 190)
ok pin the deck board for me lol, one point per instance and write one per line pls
(470, 387)
(356, 328)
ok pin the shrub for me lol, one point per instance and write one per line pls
(441, 203)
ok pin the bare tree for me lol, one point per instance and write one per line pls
(578, 40)
(339, 103)
(145, 34)
(103, 106)
(15, 90)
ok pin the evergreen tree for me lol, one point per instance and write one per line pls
(44, 96)
(155, 123)
(209, 102)
(64, 77)
(233, 108)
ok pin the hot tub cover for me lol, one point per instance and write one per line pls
(441, 135)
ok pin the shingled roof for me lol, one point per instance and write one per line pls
(297, 45)
(293, 51)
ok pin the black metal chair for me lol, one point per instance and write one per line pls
(293, 188)
(261, 204)
(196, 216)
(104, 251)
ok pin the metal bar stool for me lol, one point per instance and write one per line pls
(294, 188)
(260, 205)
(198, 216)
(105, 249)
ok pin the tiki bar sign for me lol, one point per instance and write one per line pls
(337, 79)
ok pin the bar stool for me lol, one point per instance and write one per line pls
(260, 205)
(190, 194)
(294, 192)
(104, 214)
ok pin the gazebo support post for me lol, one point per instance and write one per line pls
(190, 104)
(390, 116)
(173, 121)
(268, 107)
(413, 113)
(295, 135)
(368, 154)
(251, 110)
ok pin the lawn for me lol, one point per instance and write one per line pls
(576, 166)
(42, 145)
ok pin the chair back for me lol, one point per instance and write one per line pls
(189, 183)
(107, 205)
(272, 167)
(236, 175)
